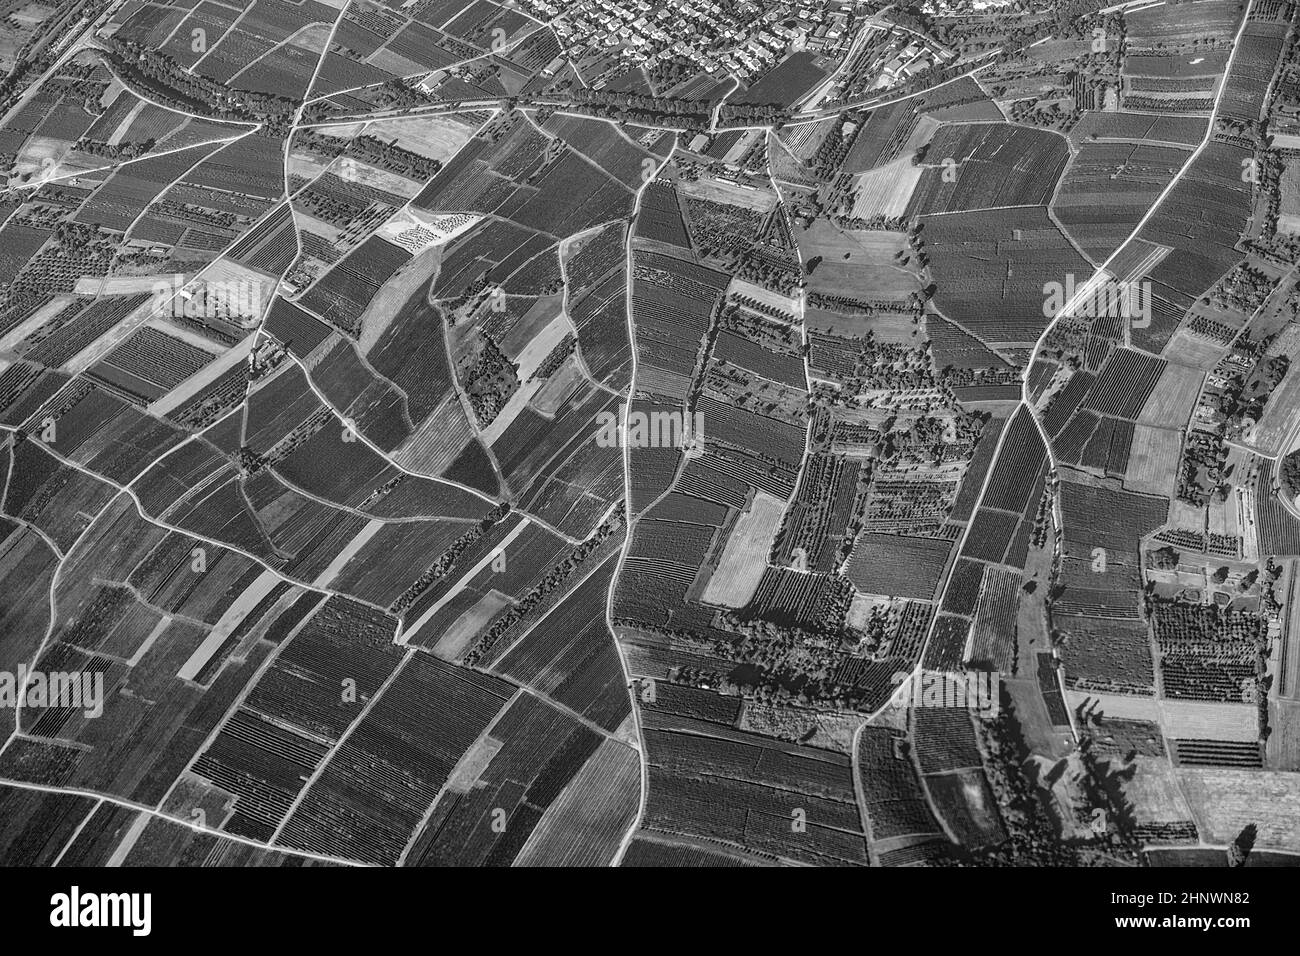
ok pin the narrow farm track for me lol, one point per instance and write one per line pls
(801, 314)
(190, 824)
(630, 521)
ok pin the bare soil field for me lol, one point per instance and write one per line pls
(744, 559)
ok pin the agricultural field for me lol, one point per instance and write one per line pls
(988, 165)
(857, 264)
(1108, 188)
(991, 268)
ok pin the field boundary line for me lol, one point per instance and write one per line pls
(181, 821)
(114, 167)
(240, 698)
(860, 794)
(801, 315)
(437, 797)
(213, 542)
(308, 99)
(629, 518)
(76, 833)
(330, 753)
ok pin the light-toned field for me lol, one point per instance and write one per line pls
(353, 170)
(1117, 706)
(134, 831)
(744, 559)
(1173, 398)
(1027, 86)
(1203, 720)
(204, 377)
(1138, 259)
(1042, 738)
(413, 627)
(729, 193)
(453, 643)
(1272, 436)
(362, 538)
(437, 137)
(305, 164)
(42, 158)
(312, 37)
(1245, 498)
(115, 138)
(114, 89)
(802, 141)
(669, 385)
(230, 274)
(894, 328)
(231, 619)
(1288, 213)
(471, 766)
(826, 731)
(1282, 750)
(519, 399)
(1188, 517)
(110, 340)
(1154, 792)
(783, 303)
(1224, 802)
(540, 330)
(533, 354)
(886, 190)
(742, 146)
(119, 285)
(598, 805)
(1286, 342)
(1054, 51)
(1223, 517)
(929, 125)
(559, 387)
(1192, 350)
(38, 319)
(416, 230)
(860, 608)
(438, 441)
(784, 167)
(1287, 681)
(341, 130)
(855, 262)
(1167, 24)
(1153, 461)
(530, 351)
(395, 63)
(383, 308)
(168, 326)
